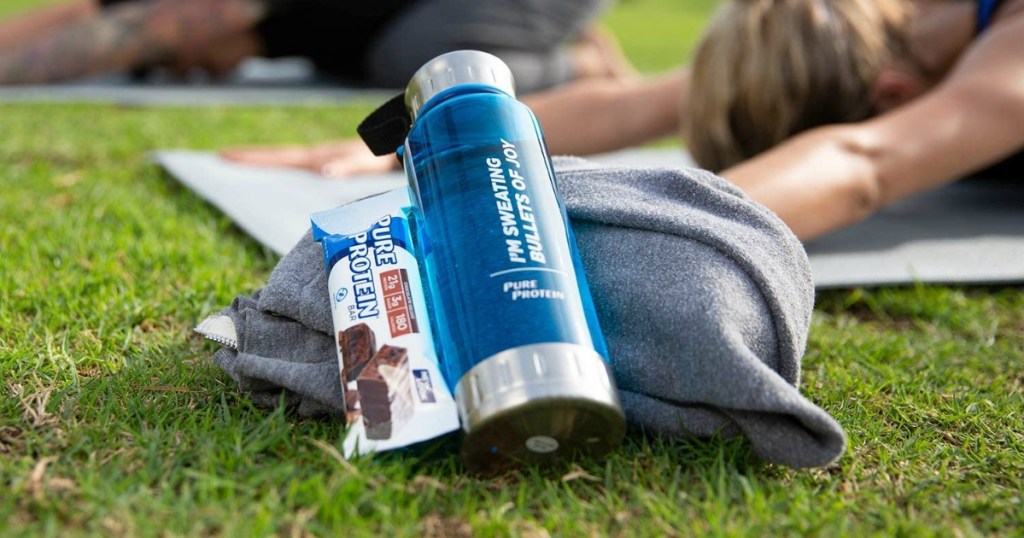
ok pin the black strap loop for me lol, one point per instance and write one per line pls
(385, 129)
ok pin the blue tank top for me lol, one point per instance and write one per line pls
(986, 9)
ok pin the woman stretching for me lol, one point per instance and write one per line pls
(823, 110)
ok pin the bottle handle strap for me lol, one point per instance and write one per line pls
(385, 129)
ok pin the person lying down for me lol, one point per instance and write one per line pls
(824, 111)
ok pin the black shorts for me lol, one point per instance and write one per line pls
(333, 34)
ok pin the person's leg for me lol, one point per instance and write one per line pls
(127, 36)
(29, 25)
(529, 35)
(219, 57)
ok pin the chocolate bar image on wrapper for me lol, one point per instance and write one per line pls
(385, 392)
(358, 346)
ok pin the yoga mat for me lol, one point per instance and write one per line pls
(971, 232)
(257, 81)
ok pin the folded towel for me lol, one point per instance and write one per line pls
(704, 296)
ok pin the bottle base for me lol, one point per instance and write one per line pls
(543, 432)
(538, 404)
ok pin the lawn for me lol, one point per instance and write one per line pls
(114, 422)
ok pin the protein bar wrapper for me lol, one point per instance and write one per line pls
(394, 393)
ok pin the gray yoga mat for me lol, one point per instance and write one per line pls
(971, 232)
(257, 81)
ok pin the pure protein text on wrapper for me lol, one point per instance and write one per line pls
(394, 393)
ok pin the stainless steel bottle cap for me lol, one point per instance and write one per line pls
(455, 68)
(537, 404)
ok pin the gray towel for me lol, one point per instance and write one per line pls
(704, 296)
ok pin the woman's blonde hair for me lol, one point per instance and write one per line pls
(768, 69)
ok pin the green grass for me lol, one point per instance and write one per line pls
(113, 421)
(13, 7)
(659, 34)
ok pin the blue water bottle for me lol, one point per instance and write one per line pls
(514, 320)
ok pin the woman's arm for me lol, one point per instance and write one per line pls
(598, 115)
(584, 117)
(834, 176)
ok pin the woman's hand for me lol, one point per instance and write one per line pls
(340, 159)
